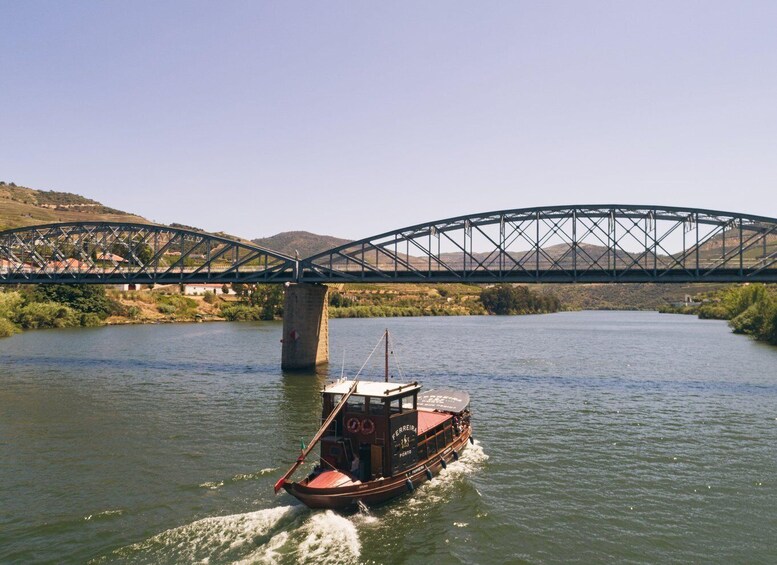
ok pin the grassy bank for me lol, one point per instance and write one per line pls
(60, 306)
(750, 309)
(65, 306)
(398, 300)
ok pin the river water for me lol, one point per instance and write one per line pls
(627, 437)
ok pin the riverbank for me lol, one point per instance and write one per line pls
(58, 306)
(750, 309)
(67, 306)
(62, 306)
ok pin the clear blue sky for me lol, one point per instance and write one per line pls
(353, 118)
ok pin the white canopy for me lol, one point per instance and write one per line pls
(372, 388)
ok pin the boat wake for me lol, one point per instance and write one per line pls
(285, 534)
(440, 489)
(289, 534)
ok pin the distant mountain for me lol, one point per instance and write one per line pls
(22, 206)
(303, 242)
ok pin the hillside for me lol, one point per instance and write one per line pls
(22, 206)
(302, 242)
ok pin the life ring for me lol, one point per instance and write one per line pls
(353, 425)
(368, 426)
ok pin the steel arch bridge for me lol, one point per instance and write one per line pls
(118, 253)
(561, 244)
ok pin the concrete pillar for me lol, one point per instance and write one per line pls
(305, 326)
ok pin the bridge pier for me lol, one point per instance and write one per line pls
(305, 326)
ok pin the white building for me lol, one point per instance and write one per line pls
(201, 288)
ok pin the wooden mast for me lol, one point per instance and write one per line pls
(317, 437)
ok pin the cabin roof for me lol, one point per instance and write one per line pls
(372, 388)
(444, 400)
(428, 420)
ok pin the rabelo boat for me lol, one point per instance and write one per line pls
(380, 440)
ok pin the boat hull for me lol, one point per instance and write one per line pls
(380, 490)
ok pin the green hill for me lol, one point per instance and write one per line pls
(22, 206)
(302, 242)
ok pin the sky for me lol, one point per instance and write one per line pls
(355, 118)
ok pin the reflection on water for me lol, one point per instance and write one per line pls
(602, 436)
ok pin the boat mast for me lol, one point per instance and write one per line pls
(317, 437)
(387, 352)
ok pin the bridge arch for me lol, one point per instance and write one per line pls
(121, 252)
(562, 244)
(590, 243)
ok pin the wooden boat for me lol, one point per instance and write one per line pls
(380, 440)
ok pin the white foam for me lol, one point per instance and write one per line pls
(253, 476)
(103, 514)
(269, 554)
(218, 538)
(331, 539)
(324, 538)
(364, 517)
(212, 485)
(437, 490)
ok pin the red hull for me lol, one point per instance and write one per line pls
(380, 490)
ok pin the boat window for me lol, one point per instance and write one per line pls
(355, 404)
(407, 403)
(336, 399)
(396, 407)
(375, 405)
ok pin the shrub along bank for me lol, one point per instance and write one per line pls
(54, 306)
(750, 309)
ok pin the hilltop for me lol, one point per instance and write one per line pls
(23, 206)
(303, 242)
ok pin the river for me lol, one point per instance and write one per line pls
(627, 437)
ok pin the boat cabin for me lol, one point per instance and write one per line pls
(376, 433)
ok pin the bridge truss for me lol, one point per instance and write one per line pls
(563, 244)
(117, 252)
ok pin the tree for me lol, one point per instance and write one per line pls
(83, 298)
(505, 299)
(240, 289)
(269, 297)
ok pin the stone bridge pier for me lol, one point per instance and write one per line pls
(305, 326)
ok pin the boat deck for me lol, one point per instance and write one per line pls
(332, 479)
(428, 420)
